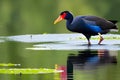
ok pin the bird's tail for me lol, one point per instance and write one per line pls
(113, 21)
(115, 28)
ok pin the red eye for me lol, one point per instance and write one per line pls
(63, 15)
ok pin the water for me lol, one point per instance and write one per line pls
(67, 52)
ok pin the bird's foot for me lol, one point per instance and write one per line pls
(101, 39)
(89, 43)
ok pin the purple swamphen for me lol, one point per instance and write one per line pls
(87, 25)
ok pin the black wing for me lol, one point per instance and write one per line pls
(101, 22)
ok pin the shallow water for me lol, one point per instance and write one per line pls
(69, 52)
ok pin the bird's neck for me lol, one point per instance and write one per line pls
(68, 23)
(69, 20)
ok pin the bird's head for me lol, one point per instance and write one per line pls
(63, 15)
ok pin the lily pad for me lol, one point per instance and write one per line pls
(29, 71)
(57, 37)
(67, 41)
(9, 64)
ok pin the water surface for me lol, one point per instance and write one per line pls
(69, 52)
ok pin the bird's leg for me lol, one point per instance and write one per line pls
(101, 38)
(88, 38)
(89, 43)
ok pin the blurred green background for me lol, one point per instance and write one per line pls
(37, 16)
(19, 17)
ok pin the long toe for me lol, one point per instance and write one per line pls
(101, 39)
(89, 43)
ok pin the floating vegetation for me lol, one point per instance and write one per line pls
(106, 37)
(57, 37)
(77, 45)
(29, 71)
(9, 64)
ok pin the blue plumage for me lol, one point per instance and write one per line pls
(87, 25)
(94, 29)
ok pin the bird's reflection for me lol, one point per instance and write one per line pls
(88, 60)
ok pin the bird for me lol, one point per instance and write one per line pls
(88, 25)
